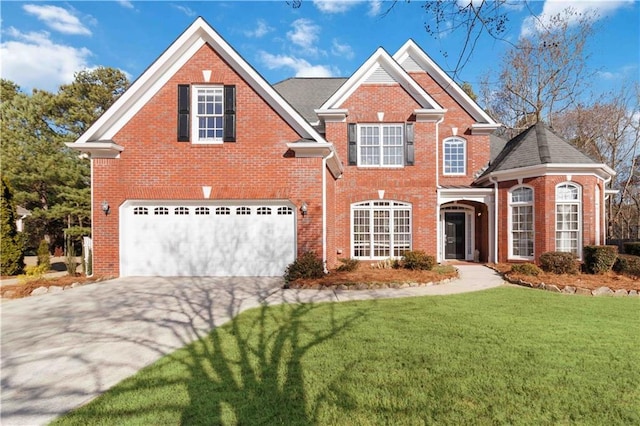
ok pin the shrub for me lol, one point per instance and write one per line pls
(306, 266)
(348, 265)
(44, 257)
(632, 248)
(418, 260)
(526, 269)
(11, 242)
(558, 262)
(599, 259)
(627, 264)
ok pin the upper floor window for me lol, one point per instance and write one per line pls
(455, 156)
(206, 113)
(380, 145)
(208, 118)
(521, 223)
(568, 211)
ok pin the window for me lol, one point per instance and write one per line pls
(243, 210)
(285, 210)
(181, 210)
(140, 211)
(380, 145)
(223, 210)
(161, 211)
(455, 156)
(264, 210)
(208, 117)
(568, 211)
(521, 223)
(380, 229)
(202, 211)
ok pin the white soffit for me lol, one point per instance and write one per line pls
(177, 54)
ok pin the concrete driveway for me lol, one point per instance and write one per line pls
(61, 350)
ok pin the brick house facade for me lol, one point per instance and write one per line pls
(204, 168)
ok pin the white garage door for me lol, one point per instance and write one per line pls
(206, 238)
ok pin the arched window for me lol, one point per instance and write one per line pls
(380, 229)
(521, 223)
(455, 156)
(568, 211)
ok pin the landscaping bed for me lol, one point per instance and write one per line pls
(580, 280)
(366, 277)
(27, 286)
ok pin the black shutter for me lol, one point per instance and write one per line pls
(409, 154)
(229, 114)
(353, 147)
(184, 103)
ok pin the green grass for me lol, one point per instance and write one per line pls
(503, 356)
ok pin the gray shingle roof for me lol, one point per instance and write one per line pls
(307, 94)
(536, 146)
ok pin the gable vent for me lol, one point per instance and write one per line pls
(380, 76)
(410, 65)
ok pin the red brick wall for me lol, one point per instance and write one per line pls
(154, 165)
(544, 188)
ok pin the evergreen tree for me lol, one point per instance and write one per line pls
(12, 247)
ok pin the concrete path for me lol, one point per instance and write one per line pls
(63, 349)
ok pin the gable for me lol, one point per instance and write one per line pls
(168, 64)
(381, 68)
(414, 60)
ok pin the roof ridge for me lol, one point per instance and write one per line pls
(543, 143)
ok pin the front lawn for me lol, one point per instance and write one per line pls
(503, 356)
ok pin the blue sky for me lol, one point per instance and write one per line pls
(44, 43)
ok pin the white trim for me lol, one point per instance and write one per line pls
(195, 117)
(369, 205)
(99, 149)
(601, 171)
(452, 139)
(598, 218)
(380, 126)
(412, 50)
(159, 73)
(319, 150)
(579, 203)
(380, 59)
(510, 205)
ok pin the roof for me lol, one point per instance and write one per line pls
(496, 144)
(535, 146)
(307, 94)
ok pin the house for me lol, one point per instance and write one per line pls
(203, 168)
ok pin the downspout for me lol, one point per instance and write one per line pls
(604, 221)
(438, 224)
(324, 209)
(495, 219)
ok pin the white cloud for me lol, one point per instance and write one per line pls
(184, 9)
(32, 60)
(301, 67)
(262, 29)
(58, 19)
(126, 3)
(620, 74)
(304, 34)
(343, 50)
(374, 7)
(334, 6)
(554, 7)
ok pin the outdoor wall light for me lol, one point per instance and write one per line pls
(105, 207)
(304, 208)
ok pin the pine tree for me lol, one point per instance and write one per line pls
(11, 244)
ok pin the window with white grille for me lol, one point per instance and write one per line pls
(380, 229)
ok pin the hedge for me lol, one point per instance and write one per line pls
(558, 262)
(599, 259)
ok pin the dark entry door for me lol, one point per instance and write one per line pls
(454, 230)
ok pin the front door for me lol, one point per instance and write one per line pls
(454, 228)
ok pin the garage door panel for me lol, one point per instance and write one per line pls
(220, 243)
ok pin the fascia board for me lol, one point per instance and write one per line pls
(410, 48)
(382, 58)
(600, 170)
(319, 150)
(98, 149)
(159, 73)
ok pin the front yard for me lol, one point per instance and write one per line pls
(504, 356)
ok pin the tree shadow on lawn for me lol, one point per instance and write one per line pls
(246, 371)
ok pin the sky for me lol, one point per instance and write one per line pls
(43, 43)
